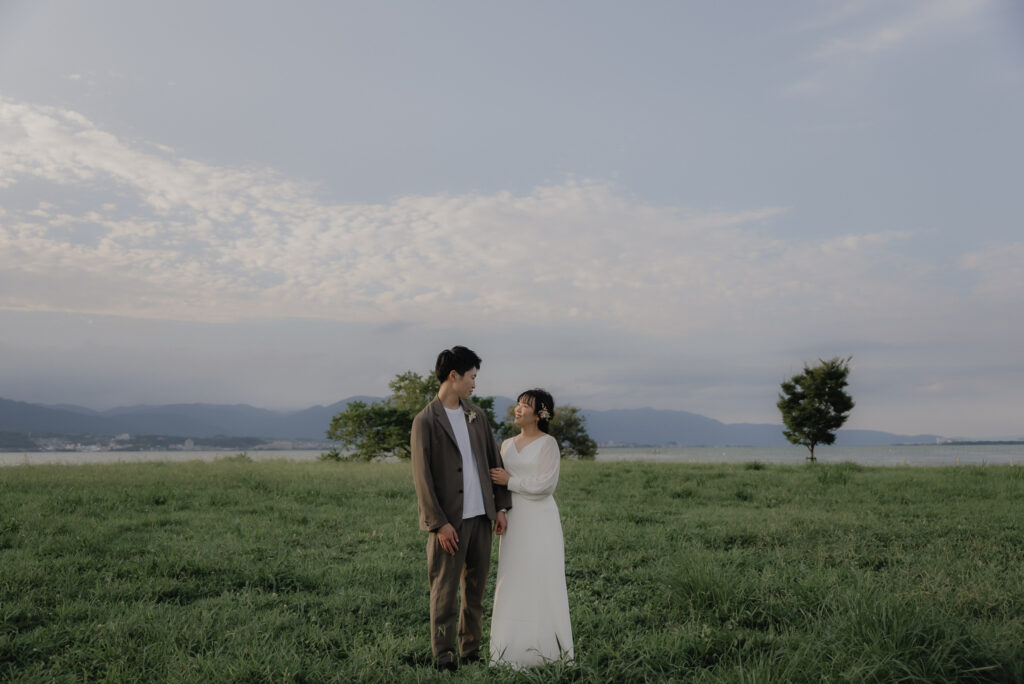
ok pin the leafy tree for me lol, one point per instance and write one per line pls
(410, 392)
(332, 455)
(568, 427)
(372, 431)
(814, 404)
(507, 428)
(381, 428)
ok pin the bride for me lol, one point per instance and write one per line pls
(530, 622)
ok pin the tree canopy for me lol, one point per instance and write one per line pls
(381, 428)
(814, 403)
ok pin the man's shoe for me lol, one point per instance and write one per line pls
(473, 658)
(446, 662)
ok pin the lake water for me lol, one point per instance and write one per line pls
(916, 455)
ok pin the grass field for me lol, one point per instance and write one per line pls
(315, 572)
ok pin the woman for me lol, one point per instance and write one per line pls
(530, 623)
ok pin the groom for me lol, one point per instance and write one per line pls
(453, 451)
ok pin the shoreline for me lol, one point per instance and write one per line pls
(938, 455)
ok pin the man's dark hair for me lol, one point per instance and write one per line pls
(458, 359)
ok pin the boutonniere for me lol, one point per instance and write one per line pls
(470, 416)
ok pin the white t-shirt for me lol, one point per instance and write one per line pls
(472, 495)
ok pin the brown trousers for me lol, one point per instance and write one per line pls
(470, 564)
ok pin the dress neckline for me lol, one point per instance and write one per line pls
(532, 441)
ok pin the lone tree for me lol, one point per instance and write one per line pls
(381, 428)
(814, 404)
(568, 427)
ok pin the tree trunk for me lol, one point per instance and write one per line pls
(810, 456)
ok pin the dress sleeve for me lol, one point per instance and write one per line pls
(543, 483)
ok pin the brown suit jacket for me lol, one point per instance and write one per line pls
(437, 466)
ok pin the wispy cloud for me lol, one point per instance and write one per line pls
(862, 31)
(616, 288)
(155, 235)
(914, 20)
(999, 270)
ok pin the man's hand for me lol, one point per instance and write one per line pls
(448, 538)
(501, 524)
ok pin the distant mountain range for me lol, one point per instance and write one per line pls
(176, 420)
(656, 427)
(617, 427)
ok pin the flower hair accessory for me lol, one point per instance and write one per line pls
(470, 416)
(544, 414)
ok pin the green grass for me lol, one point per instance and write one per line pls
(308, 572)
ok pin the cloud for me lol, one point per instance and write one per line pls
(860, 31)
(999, 272)
(923, 18)
(609, 300)
(132, 229)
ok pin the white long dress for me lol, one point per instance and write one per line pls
(530, 622)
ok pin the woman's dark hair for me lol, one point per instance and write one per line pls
(458, 359)
(541, 401)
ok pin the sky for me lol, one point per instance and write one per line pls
(672, 205)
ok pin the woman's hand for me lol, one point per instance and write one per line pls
(499, 476)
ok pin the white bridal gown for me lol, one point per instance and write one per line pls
(530, 622)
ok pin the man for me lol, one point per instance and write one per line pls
(453, 451)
